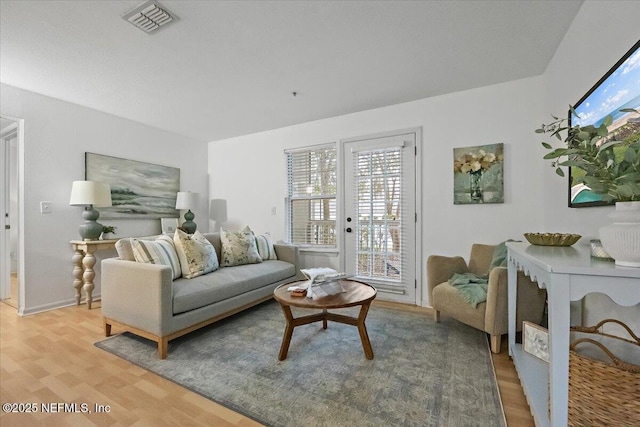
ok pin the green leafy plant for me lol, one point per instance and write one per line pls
(109, 229)
(610, 159)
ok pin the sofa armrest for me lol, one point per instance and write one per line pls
(495, 319)
(137, 294)
(441, 268)
(290, 254)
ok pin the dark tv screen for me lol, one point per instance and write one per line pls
(616, 90)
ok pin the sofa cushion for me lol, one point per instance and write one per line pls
(226, 283)
(161, 252)
(197, 256)
(239, 248)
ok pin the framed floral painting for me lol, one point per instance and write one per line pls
(478, 174)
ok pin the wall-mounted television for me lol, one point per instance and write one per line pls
(616, 90)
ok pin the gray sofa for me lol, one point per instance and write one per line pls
(144, 300)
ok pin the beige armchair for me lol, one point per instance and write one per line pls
(489, 316)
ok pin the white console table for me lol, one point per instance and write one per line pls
(568, 274)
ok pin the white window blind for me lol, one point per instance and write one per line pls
(378, 221)
(311, 201)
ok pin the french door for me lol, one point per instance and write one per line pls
(379, 220)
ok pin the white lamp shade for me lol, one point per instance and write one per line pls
(186, 200)
(94, 193)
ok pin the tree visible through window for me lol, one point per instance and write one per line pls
(311, 201)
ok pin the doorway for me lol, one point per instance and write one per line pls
(380, 214)
(11, 265)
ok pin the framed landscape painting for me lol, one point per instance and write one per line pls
(139, 190)
(478, 174)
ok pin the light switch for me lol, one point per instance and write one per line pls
(45, 207)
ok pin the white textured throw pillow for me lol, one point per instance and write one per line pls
(239, 248)
(160, 251)
(265, 247)
(197, 255)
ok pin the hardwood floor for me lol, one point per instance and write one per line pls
(50, 358)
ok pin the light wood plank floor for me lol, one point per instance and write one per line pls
(50, 357)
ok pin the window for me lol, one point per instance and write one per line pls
(311, 201)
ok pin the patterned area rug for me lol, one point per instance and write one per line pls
(423, 373)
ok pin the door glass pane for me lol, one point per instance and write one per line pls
(378, 214)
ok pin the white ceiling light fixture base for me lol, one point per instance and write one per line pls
(149, 16)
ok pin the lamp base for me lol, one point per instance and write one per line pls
(90, 229)
(188, 223)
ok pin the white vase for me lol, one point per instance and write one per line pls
(621, 239)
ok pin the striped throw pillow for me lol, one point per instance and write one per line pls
(160, 251)
(265, 247)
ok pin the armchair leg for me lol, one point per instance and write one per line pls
(436, 316)
(495, 343)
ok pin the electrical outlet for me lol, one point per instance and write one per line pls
(273, 210)
(45, 207)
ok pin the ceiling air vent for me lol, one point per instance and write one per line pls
(149, 16)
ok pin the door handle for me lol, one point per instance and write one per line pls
(348, 230)
(7, 227)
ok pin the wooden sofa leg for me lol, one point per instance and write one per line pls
(495, 343)
(163, 344)
(107, 328)
(436, 316)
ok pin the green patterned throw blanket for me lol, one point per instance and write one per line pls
(473, 287)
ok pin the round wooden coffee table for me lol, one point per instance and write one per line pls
(357, 293)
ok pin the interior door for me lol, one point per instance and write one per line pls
(379, 221)
(9, 251)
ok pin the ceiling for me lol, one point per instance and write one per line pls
(228, 68)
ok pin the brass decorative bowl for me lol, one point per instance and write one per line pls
(552, 239)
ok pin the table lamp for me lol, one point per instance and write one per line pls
(187, 200)
(90, 194)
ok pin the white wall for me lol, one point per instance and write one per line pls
(249, 172)
(56, 136)
(601, 33)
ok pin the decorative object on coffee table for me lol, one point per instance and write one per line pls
(187, 200)
(90, 194)
(357, 294)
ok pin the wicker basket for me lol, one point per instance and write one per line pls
(603, 393)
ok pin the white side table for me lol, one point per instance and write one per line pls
(568, 274)
(83, 261)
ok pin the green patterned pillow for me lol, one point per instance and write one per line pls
(265, 247)
(239, 248)
(197, 255)
(160, 251)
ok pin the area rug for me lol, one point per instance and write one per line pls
(423, 373)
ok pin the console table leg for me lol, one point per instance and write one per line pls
(89, 261)
(78, 270)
